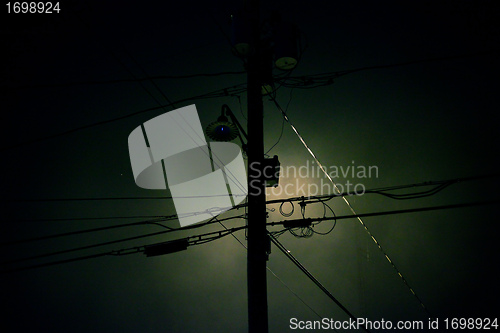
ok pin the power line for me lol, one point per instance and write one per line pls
(438, 186)
(297, 263)
(158, 102)
(192, 240)
(150, 80)
(86, 199)
(165, 218)
(386, 191)
(86, 247)
(276, 276)
(58, 262)
(325, 79)
(300, 81)
(198, 239)
(244, 246)
(114, 198)
(44, 255)
(218, 93)
(215, 219)
(141, 249)
(219, 234)
(309, 221)
(79, 232)
(389, 212)
(234, 90)
(210, 154)
(350, 206)
(382, 191)
(131, 80)
(294, 293)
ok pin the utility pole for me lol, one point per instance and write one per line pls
(257, 232)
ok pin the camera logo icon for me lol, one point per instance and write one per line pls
(205, 178)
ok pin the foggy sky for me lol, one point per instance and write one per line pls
(427, 121)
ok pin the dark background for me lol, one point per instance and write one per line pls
(426, 121)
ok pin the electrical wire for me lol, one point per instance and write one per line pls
(114, 198)
(297, 263)
(312, 199)
(325, 79)
(389, 212)
(417, 195)
(238, 89)
(302, 232)
(193, 240)
(289, 213)
(215, 94)
(282, 126)
(210, 155)
(58, 262)
(280, 232)
(44, 255)
(300, 82)
(79, 232)
(231, 234)
(197, 240)
(392, 212)
(149, 79)
(131, 80)
(275, 275)
(327, 197)
(87, 247)
(165, 218)
(308, 230)
(199, 138)
(352, 209)
(297, 82)
(324, 216)
(294, 293)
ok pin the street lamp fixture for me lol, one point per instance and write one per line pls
(224, 130)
